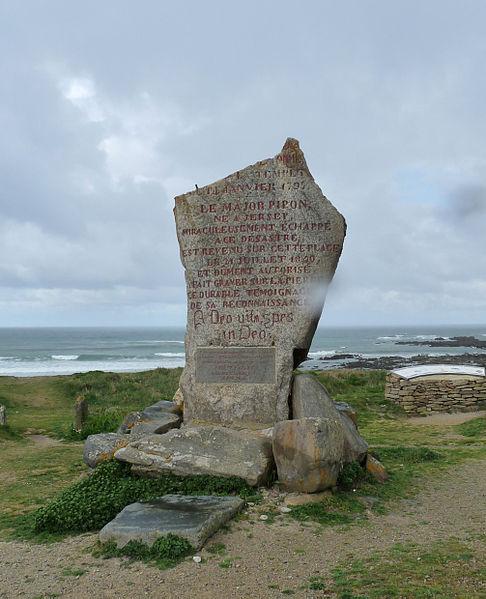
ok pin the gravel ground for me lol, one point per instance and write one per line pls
(446, 418)
(283, 553)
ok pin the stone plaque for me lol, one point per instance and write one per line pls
(244, 365)
(259, 249)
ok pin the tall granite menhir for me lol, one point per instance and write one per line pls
(259, 249)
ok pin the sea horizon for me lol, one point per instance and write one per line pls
(46, 351)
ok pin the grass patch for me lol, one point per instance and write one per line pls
(30, 474)
(407, 455)
(105, 420)
(351, 475)
(338, 508)
(70, 571)
(316, 583)
(166, 552)
(94, 501)
(47, 403)
(364, 390)
(472, 428)
(444, 570)
(216, 548)
(8, 434)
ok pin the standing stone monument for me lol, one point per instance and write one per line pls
(259, 249)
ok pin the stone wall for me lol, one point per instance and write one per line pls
(437, 393)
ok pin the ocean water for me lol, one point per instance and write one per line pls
(50, 351)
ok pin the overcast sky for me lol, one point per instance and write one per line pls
(110, 108)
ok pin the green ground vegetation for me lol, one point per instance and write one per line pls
(446, 569)
(166, 552)
(92, 502)
(32, 471)
(32, 474)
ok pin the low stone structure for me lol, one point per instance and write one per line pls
(423, 390)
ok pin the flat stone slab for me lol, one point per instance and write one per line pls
(411, 372)
(161, 407)
(212, 450)
(194, 518)
(159, 424)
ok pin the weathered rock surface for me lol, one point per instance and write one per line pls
(129, 422)
(178, 400)
(309, 453)
(80, 413)
(355, 447)
(160, 424)
(3, 415)
(193, 518)
(161, 407)
(310, 399)
(345, 408)
(376, 469)
(214, 450)
(157, 418)
(101, 447)
(259, 249)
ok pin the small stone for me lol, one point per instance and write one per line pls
(264, 517)
(129, 422)
(346, 409)
(102, 447)
(283, 509)
(197, 559)
(161, 407)
(178, 401)
(159, 425)
(376, 469)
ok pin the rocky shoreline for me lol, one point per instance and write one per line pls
(464, 341)
(390, 362)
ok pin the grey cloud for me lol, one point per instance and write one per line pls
(469, 201)
(109, 109)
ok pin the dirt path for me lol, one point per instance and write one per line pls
(43, 440)
(284, 553)
(446, 419)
